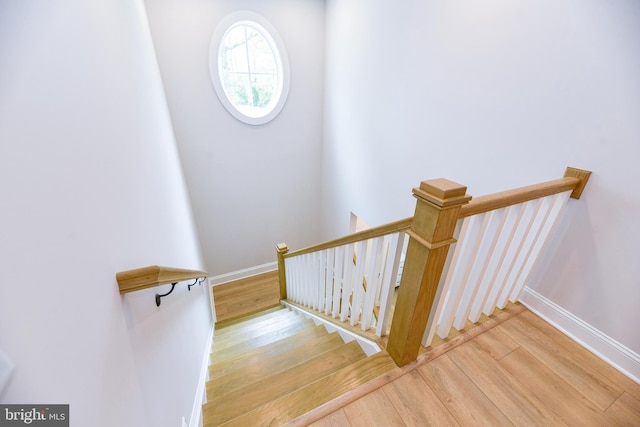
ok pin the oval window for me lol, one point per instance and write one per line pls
(249, 68)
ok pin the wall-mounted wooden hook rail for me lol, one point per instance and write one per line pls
(154, 275)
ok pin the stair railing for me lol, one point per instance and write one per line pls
(496, 240)
(351, 278)
(499, 238)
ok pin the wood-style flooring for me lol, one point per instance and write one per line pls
(521, 372)
(246, 296)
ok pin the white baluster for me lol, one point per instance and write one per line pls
(494, 232)
(314, 275)
(338, 279)
(295, 264)
(504, 249)
(478, 262)
(373, 282)
(554, 207)
(358, 291)
(292, 290)
(300, 266)
(385, 254)
(318, 294)
(298, 277)
(307, 275)
(529, 240)
(520, 242)
(467, 245)
(289, 275)
(472, 268)
(389, 282)
(328, 284)
(347, 282)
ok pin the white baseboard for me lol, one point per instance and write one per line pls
(196, 412)
(242, 274)
(600, 344)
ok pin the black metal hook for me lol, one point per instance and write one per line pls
(197, 282)
(193, 284)
(158, 296)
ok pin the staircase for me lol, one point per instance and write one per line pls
(271, 367)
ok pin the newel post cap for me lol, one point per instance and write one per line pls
(442, 192)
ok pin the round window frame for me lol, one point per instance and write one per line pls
(214, 52)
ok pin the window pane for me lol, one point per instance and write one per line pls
(263, 88)
(237, 87)
(262, 57)
(233, 52)
(249, 68)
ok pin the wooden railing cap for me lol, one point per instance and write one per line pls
(442, 192)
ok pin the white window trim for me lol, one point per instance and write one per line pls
(216, 39)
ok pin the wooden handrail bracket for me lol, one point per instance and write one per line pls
(154, 275)
(582, 175)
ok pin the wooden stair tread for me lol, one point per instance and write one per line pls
(288, 407)
(228, 326)
(253, 324)
(273, 349)
(276, 335)
(271, 366)
(242, 400)
(253, 330)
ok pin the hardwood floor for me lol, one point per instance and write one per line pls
(246, 296)
(521, 372)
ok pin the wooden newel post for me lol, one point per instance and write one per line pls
(282, 249)
(431, 234)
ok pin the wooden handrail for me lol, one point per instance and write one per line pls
(503, 199)
(370, 233)
(574, 179)
(154, 275)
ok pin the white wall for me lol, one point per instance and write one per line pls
(90, 185)
(251, 187)
(495, 94)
